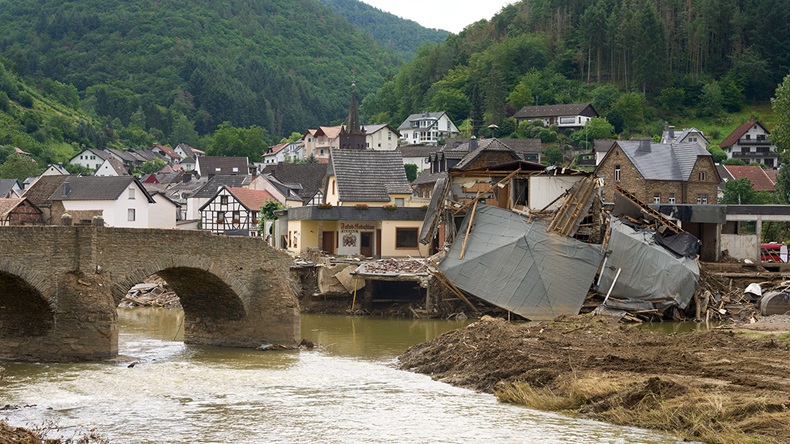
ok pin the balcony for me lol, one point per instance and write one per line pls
(753, 142)
(757, 155)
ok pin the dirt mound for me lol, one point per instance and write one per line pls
(622, 374)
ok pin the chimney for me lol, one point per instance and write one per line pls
(187, 177)
(671, 133)
(472, 144)
(644, 146)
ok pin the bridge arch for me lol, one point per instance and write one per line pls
(24, 309)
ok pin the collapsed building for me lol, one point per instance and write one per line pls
(536, 240)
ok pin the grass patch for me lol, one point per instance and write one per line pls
(710, 415)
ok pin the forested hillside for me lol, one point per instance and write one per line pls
(401, 35)
(171, 68)
(639, 62)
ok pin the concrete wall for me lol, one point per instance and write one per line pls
(388, 230)
(741, 246)
(66, 282)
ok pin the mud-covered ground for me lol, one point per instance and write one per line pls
(715, 386)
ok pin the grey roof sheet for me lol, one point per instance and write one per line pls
(305, 178)
(368, 176)
(419, 116)
(664, 161)
(517, 265)
(560, 109)
(603, 145)
(486, 145)
(209, 164)
(6, 185)
(416, 150)
(428, 177)
(214, 184)
(124, 156)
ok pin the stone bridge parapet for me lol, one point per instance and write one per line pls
(60, 287)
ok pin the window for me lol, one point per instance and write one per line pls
(406, 237)
(223, 200)
(702, 199)
(235, 169)
(220, 218)
(672, 198)
(217, 169)
(399, 202)
(703, 175)
(656, 198)
(617, 173)
(131, 193)
(130, 215)
(237, 217)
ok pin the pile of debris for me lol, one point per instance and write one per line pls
(393, 267)
(152, 293)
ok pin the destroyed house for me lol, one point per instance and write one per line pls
(19, 211)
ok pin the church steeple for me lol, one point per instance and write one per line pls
(353, 135)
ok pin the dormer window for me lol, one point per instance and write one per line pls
(235, 169)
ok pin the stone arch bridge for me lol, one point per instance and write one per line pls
(60, 287)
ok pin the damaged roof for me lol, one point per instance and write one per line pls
(517, 265)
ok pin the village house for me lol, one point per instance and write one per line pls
(55, 170)
(112, 167)
(234, 211)
(19, 211)
(293, 184)
(188, 163)
(10, 188)
(366, 211)
(381, 137)
(89, 158)
(417, 155)
(184, 150)
(210, 187)
(121, 201)
(167, 152)
(284, 152)
(427, 128)
(659, 173)
(209, 166)
(601, 147)
(750, 143)
(564, 115)
(318, 142)
(38, 194)
(688, 135)
(757, 176)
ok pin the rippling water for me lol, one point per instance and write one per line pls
(347, 390)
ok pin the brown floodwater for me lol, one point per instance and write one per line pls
(346, 390)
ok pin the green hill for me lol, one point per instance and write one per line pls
(401, 35)
(639, 63)
(169, 66)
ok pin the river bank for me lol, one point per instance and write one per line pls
(718, 386)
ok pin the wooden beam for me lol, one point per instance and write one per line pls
(469, 227)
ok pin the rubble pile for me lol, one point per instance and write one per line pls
(393, 266)
(152, 293)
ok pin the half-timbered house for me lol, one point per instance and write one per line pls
(234, 211)
(19, 211)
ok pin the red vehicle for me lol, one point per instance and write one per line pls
(773, 252)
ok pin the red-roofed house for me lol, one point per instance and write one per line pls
(234, 211)
(759, 178)
(169, 153)
(750, 143)
(275, 154)
(319, 142)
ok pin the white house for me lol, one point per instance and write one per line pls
(89, 158)
(418, 155)
(427, 128)
(234, 209)
(184, 150)
(112, 167)
(122, 201)
(750, 142)
(381, 137)
(687, 135)
(564, 115)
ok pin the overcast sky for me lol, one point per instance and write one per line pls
(450, 15)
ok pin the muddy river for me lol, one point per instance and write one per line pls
(344, 391)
